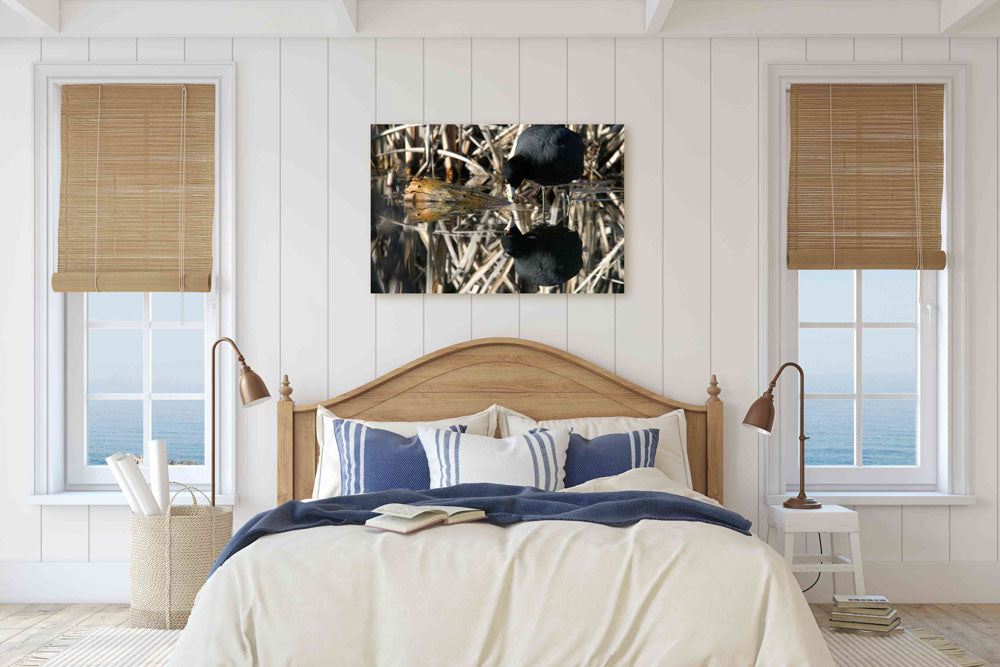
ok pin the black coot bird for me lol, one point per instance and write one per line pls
(547, 155)
(546, 255)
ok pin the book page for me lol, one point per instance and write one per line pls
(449, 510)
(405, 511)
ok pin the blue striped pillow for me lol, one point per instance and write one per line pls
(372, 459)
(610, 454)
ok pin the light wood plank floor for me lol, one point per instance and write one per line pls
(976, 627)
(26, 627)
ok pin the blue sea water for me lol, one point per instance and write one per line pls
(116, 426)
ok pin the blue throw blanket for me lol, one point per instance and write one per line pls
(502, 503)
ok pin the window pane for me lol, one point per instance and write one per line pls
(113, 426)
(114, 360)
(114, 307)
(830, 427)
(889, 361)
(182, 425)
(889, 432)
(826, 296)
(178, 360)
(166, 307)
(827, 357)
(194, 307)
(889, 296)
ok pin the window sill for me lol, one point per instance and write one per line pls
(113, 498)
(882, 498)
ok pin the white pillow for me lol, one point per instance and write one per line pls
(534, 459)
(671, 452)
(327, 482)
(639, 479)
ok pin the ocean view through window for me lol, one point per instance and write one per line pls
(858, 341)
(145, 374)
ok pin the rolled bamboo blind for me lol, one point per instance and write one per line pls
(137, 192)
(866, 176)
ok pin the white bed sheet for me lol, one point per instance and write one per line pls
(538, 593)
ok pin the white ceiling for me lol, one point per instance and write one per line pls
(465, 18)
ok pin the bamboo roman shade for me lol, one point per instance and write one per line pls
(137, 193)
(866, 176)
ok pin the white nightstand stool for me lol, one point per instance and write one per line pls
(827, 519)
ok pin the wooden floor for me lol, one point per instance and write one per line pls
(26, 627)
(976, 627)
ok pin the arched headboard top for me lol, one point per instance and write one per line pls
(535, 379)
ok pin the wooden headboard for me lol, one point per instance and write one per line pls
(535, 379)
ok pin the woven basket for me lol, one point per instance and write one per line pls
(171, 558)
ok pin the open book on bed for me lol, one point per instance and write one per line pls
(402, 518)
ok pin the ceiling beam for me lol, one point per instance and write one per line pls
(656, 14)
(957, 14)
(42, 13)
(346, 13)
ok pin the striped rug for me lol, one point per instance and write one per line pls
(902, 648)
(107, 647)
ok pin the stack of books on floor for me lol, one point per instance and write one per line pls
(864, 613)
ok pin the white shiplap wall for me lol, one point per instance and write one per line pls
(693, 201)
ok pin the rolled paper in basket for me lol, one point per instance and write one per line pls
(134, 478)
(158, 474)
(113, 466)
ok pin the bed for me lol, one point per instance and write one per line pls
(545, 592)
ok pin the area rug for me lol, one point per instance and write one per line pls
(902, 648)
(105, 647)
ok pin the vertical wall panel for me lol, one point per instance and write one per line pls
(639, 312)
(20, 537)
(352, 312)
(734, 258)
(590, 95)
(258, 277)
(878, 49)
(208, 48)
(926, 49)
(447, 99)
(925, 533)
(543, 100)
(113, 48)
(881, 532)
(64, 533)
(303, 218)
(830, 49)
(65, 49)
(161, 48)
(109, 533)
(400, 99)
(495, 97)
(974, 528)
(687, 140)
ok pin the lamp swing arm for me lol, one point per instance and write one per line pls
(802, 396)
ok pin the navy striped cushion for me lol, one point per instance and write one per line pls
(610, 454)
(375, 460)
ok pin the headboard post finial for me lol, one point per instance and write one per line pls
(285, 390)
(713, 389)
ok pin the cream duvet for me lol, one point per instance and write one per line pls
(541, 593)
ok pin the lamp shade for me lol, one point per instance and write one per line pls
(761, 414)
(252, 388)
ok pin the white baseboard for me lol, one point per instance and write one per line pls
(53, 583)
(964, 582)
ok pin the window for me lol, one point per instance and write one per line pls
(867, 339)
(138, 372)
(115, 368)
(882, 346)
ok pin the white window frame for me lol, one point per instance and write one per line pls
(942, 312)
(52, 309)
